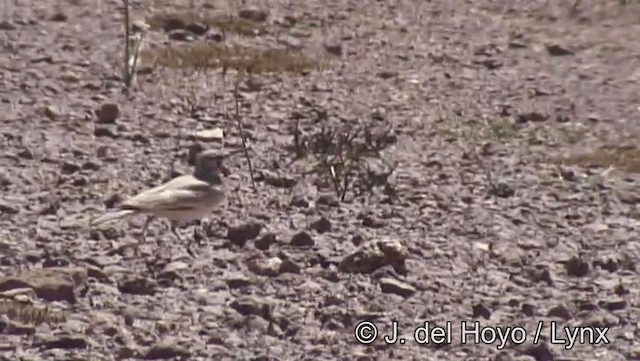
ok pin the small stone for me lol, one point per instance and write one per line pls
(577, 267)
(357, 240)
(370, 221)
(102, 152)
(108, 113)
(10, 327)
(171, 270)
(137, 285)
(52, 112)
(610, 264)
(532, 116)
(139, 26)
(291, 42)
(25, 153)
(387, 74)
(300, 33)
(239, 235)
(489, 63)
(540, 274)
(515, 44)
(266, 266)
(210, 135)
(173, 23)
(615, 304)
(237, 280)
(112, 199)
(558, 50)
(278, 180)
(562, 118)
(392, 285)
(180, 35)
(215, 36)
(291, 19)
(175, 266)
(253, 13)
(8, 209)
(480, 310)
(328, 200)
(334, 48)
(594, 118)
(528, 309)
(373, 255)
(539, 352)
(70, 77)
(251, 305)
(59, 17)
(162, 327)
(65, 342)
(501, 190)
(264, 242)
(585, 305)
(599, 319)
(322, 225)
(300, 201)
(7, 25)
(288, 266)
(620, 290)
(197, 28)
(166, 349)
(69, 167)
(91, 165)
(253, 84)
(560, 311)
(302, 239)
(16, 292)
(5, 181)
(106, 130)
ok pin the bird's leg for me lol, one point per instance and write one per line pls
(175, 233)
(205, 225)
(145, 228)
(174, 230)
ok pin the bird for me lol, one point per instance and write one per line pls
(180, 200)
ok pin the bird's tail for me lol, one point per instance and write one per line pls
(111, 217)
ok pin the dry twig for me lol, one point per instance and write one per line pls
(132, 46)
(244, 141)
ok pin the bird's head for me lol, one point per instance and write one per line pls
(211, 161)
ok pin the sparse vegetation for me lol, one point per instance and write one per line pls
(208, 56)
(625, 158)
(224, 23)
(342, 155)
(502, 128)
(29, 314)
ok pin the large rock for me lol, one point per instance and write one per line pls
(50, 284)
(373, 255)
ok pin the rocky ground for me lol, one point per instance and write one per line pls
(509, 128)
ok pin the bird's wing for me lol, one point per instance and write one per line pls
(180, 193)
(110, 217)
